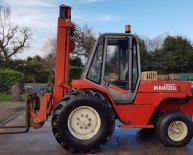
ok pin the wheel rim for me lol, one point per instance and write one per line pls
(84, 122)
(177, 130)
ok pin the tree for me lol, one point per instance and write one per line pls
(176, 56)
(13, 40)
(76, 62)
(31, 68)
(155, 43)
(29, 59)
(4, 11)
(145, 55)
(37, 58)
(48, 62)
(84, 40)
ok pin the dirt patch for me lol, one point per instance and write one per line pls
(9, 109)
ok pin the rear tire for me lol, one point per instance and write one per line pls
(174, 129)
(83, 121)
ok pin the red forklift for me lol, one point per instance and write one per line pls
(84, 112)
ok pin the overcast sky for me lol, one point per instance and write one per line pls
(147, 17)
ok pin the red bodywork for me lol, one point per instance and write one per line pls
(139, 112)
(152, 97)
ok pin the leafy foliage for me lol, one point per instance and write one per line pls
(76, 61)
(9, 77)
(75, 72)
(146, 57)
(31, 68)
(174, 56)
(34, 71)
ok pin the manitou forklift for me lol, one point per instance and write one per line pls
(84, 113)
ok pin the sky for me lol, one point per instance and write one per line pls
(148, 18)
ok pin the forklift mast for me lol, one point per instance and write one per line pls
(65, 46)
(39, 107)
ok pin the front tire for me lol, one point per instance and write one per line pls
(175, 129)
(83, 121)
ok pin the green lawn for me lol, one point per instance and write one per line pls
(7, 97)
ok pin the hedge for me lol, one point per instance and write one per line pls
(75, 72)
(9, 77)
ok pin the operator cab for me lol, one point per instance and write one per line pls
(115, 65)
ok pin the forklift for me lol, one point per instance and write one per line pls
(84, 112)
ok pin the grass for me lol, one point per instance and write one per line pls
(7, 97)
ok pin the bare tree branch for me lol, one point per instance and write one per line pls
(48, 62)
(13, 41)
(154, 43)
(84, 40)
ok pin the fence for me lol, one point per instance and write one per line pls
(152, 75)
(149, 75)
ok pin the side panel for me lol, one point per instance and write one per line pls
(140, 111)
(187, 108)
(135, 114)
(165, 87)
(142, 108)
(129, 114)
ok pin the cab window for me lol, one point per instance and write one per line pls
(94, 73)
(117, 62)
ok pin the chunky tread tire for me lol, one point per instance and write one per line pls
(157, 127)
(162, 128)
(72, 101)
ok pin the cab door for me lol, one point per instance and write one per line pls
(121, 71)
